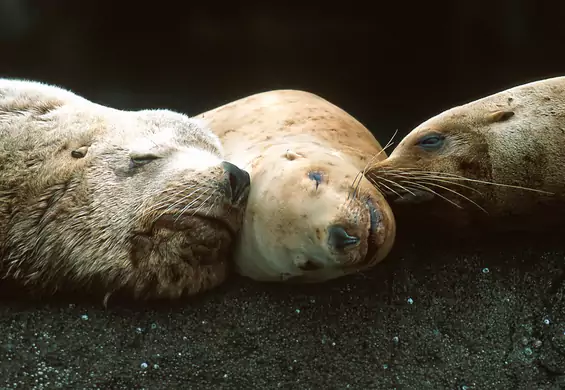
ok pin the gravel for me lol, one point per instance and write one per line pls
(472, 314)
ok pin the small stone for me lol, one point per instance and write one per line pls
(395, 339)
(297, 311)
(84, 317)
(410, 301)
(143, 366)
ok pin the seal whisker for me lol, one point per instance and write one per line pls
(388, 188)
(212, 204)
(174, 204)
(414, 171)
(169, 197)
(397, 184)
(202, 204)
(456, 193)
(363, 172)
(435, 193)
(189, 205)
(431, 179)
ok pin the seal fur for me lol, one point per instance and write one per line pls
(499, 156)
(93, 197)
(307, 218)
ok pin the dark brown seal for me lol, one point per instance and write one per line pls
(140, 202)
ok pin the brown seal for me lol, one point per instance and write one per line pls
(140, 202)
(311, 216)
(499, 156)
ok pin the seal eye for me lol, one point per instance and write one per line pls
(141, 159)
(317, 177)
(431, 141)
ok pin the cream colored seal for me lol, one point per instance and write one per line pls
(501, 155)
(90, 196)
(311, 216)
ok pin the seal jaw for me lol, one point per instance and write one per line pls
(375, 220)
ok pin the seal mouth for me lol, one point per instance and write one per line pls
(372, 237)
(176, 223)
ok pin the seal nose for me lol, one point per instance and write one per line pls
(238, 178)
(340, 239)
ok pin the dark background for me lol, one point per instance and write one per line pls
(390, 64)
(473, 314)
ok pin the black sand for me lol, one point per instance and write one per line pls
(471, 315)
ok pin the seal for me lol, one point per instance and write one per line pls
(502, 155)
(140, 202)
(311, 215)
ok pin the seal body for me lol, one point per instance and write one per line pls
(499, 156)
(91, 196)
(307, 219)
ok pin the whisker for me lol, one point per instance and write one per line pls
(432, 179)
(188, 206)
(458, 194)
(388, 188)
(202, 204)
(398, 185)
(212, 204)
(435, 193)
(180, 200)
(412, 171)
(362, 173)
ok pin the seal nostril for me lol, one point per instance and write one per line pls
(340, 239)
(238, 179)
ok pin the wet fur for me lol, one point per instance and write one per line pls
(75, 215)
(280, 137)
(515, 137)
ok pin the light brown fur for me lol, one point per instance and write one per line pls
(515, 137)
(96, 197)
(284, 138)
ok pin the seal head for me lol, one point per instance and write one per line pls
(95, 197)
(313, 222)
(499, 155)
(311, 215)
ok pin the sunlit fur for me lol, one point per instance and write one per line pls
(502, 154)
(160, 229)
(281, 137)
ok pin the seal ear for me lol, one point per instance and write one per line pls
(500, 116)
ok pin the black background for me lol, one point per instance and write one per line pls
(473, 315)
(390, 64)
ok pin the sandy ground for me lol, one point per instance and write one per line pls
(473, 314)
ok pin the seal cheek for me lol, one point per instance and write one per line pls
(141, 249)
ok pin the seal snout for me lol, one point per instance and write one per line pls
(339, 239)
(239, 180)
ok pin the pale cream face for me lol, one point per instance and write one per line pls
(303, 223)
